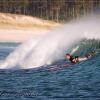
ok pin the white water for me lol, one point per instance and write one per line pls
(54, 45)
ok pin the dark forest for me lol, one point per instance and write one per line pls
(56, 10)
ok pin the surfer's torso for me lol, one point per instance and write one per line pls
(74, 60)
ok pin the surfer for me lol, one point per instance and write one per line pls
(77, 59)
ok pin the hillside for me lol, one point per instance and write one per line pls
(19, 28)
(22, 21)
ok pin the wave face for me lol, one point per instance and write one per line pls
(86, 46)
(54, 45)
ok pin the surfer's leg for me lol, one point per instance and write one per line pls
(82, 59)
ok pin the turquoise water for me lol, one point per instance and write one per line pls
(59, 81)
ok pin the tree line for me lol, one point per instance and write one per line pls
(56, 10)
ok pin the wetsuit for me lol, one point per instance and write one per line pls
(73, 60)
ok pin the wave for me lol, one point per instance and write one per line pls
(86, 46)
(54, 45)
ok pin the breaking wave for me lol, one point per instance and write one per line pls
(77, 37)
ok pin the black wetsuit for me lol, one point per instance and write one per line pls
(72, 60)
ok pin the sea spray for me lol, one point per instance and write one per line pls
(51, 48)
(54, 45)
(19, 54)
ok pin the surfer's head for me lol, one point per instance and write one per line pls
(68, 56)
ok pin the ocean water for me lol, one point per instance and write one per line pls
(59, 81)
(38, 70)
